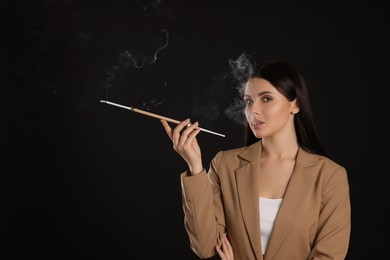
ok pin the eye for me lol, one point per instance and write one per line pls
(248, 101)
(266, 99)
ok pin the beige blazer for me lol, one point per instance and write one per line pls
(313, 222)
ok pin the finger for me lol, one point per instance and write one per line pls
(167, 128)
(229, 247)
(189, 134)
(224, 245)
(220, 252)
(193, 135)
(176, 134)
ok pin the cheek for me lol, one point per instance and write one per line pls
(276, 112)
(272, 111)
(246, 112)
(248, 115)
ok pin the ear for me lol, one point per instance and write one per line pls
(294, 106)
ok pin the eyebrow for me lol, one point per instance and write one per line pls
(259, 94)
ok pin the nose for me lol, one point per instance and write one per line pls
(254, 109)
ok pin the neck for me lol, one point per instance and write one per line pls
(281, 148)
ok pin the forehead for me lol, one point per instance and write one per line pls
(256, 85)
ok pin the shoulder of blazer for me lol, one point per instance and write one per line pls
(318, 166)
(244, 152)
(305, 159)
(236, 157)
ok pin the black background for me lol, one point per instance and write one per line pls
(85, 180)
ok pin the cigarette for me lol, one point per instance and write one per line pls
(156, 116)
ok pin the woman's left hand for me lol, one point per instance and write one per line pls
(226, 252)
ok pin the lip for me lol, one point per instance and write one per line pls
(256, 124)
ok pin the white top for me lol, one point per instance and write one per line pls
(268, 210)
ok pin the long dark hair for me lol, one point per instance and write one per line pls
(286, 78)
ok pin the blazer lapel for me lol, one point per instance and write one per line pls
(247, 177)
(296, 192)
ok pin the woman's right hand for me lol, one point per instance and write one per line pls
(185, 143)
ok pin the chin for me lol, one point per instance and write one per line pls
(257, 134)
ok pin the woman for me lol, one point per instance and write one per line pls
(277, 197)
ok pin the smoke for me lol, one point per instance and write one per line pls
(112, 75)
(148, 105)
(217, 101)
(137, 58)
(153, 5)
(241, 70)
(236, 111)
(133, 59)
(161, 95)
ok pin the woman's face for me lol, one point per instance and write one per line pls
(267, 111)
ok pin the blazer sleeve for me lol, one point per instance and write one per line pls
(204, 218)
(332, 238)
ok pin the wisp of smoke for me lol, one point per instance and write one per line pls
(236, 111)
(242, 71)
(132, 59)
(137, 58)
